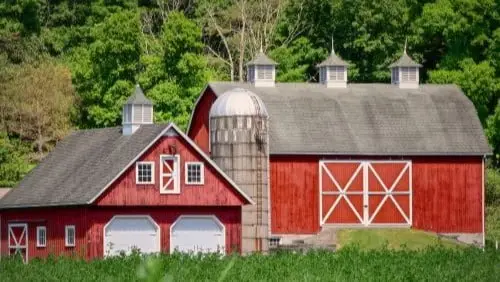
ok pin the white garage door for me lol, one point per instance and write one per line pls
(126, 233)
(195, 234)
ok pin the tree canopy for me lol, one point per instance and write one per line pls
(91, 53)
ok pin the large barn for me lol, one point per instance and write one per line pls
(261, 162)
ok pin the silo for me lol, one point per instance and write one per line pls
(239, 145)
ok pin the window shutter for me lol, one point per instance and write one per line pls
(137, 113)
(147, 114)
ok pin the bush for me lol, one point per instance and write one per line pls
(493, 187)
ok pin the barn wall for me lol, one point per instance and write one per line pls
(89, 225)
(447, 193)
(165, 217)
(199, 130)
(215, 192)
(54, 220)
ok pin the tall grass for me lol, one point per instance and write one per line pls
(348, 264)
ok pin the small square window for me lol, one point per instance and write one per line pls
(194, 173)
(41, 236)
(70, 235)
(144, 173)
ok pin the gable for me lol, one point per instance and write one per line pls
(216, 190)
(198, 129)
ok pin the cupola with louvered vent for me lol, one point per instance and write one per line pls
(333, 71)
(138, 110)
(405, 72)
(261, 71)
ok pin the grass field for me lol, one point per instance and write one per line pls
(394, 239)
(348, 264)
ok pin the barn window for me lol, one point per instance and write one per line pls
(195, 173)
(41, 236)
(144, 173)
(69, 233)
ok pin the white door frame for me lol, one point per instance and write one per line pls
(18, 245)
(174, 174)
(211, 216)
(146, 216)
(364, 167)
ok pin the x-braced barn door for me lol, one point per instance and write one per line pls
(169, 174)
(365, 192)
(18, 240)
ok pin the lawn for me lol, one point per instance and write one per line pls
(393, 239)
(348, 264)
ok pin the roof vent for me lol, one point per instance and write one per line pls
(333, 71)
(138, 110)
(405, 72)
(261, 71)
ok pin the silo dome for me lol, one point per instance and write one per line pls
(238, 102)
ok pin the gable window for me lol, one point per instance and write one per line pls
(144, 173)
(69, 235)
(195, 173)
(41, 236)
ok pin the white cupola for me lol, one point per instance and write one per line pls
(405, 72)
(261, 71)
(138, 110)
(333, 71)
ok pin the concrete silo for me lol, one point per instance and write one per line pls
(239, 145)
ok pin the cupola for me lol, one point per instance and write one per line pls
(138, 110)
(261, 71)
(333, 71)
(405, 71)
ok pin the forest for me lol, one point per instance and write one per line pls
(70, 64)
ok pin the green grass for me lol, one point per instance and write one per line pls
(348, 264)
(393, 239)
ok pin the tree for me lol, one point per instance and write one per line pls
(37, 104)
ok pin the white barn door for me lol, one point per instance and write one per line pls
(197, 234)
(123, 234)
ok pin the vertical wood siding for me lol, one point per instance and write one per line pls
(447, 193)
(216, 191)
(89, 224)
(199, 131)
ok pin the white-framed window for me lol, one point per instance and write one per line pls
(194, 173)
(70, 235)
(408, 74)
(41, 236)
(145, 173)
(336, 73)
(395, 75)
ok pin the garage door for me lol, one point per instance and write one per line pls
(196, 234)
(126, 233)
(365, 192)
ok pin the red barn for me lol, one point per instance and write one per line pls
(106, 191)
(360, 155)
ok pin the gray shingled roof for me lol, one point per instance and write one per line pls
(368, 119)
(80, 166)
(138, 97)
(333, 60)
(261, 59)
(405, 61)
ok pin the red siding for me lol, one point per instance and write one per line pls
(199, 130)
(447, 193)
(215, 192)
(89, 223)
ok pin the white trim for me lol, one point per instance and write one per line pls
(212, 216)
(174, 174)
(202, 173)
(146, 216)
(483, 204)
(38, 242)
(193, 145)
(17, 245)
(66, 231)
(137, 172)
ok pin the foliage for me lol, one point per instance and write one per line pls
(493, 205)
(13, 160)
(348, 264)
